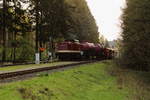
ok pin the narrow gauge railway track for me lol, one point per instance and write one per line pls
(30, 71)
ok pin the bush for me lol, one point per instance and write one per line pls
(26, 51)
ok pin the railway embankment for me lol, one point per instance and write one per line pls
(31, 66)
(95, 81)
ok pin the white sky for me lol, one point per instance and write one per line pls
(107, 14)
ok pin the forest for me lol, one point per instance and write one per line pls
(27, 25)
(136, 35)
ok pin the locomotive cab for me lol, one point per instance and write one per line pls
(69, 49)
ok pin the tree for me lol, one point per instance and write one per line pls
(83, 25)
(106, 43)
(136, 33)
(102, 40)
(4, 31)
(16, 27)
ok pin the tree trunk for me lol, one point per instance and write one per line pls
(4, 32)
(15, 34)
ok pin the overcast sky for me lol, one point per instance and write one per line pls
(107, 14)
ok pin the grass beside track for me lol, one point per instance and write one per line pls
(138, 82)
(20, 67)
(98, 81)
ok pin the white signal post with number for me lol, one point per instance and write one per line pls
(37, 58)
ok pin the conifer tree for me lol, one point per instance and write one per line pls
(136, 33)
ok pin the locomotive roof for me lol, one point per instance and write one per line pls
(72, 40)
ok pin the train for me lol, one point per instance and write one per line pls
(75, 50)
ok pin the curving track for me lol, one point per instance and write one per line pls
(30, 71)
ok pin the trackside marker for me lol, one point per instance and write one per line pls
(37, 58)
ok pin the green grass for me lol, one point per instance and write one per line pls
(138, 82)
(88, 82)
(20, 67)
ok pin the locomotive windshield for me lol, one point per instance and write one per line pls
(72, 40)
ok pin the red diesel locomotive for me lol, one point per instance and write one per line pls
(73, 49)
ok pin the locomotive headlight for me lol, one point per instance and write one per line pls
(81, 53)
